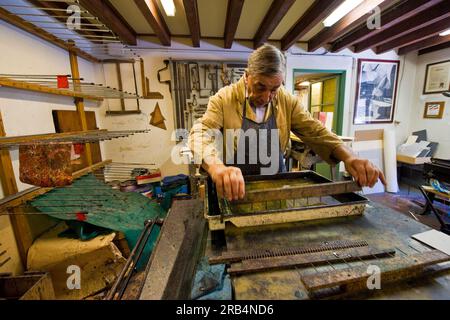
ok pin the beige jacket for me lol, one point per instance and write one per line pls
(225, 112)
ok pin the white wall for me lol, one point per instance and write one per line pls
(438, 130)
(156, 146)
(347, 60)
(25, 112)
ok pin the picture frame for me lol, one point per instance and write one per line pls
(434, 110)
(437, 77)
(376, 90)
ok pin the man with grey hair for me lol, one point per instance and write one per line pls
(261, 113)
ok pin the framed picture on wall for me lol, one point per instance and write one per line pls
(376, 89)
(437, 77)
(434, 110)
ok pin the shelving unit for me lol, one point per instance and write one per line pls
(70, 137)
(89, 91)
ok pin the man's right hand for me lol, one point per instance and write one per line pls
(228, 180)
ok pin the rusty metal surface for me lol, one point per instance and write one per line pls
(302, 260)
(299, 191)
(391, 270)
(236, 256)
(380, 226)
(171, 269)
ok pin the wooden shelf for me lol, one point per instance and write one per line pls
(122, 112)
(33, 192)
(67, 137)
(17, 84)
(154, 95)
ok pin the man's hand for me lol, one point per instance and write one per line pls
(364, 172)
(229, 181)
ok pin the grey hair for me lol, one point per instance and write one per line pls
(267, 60)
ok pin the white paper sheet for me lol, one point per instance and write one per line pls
(390, 161)
(434, 239)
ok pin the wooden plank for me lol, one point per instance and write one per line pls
(47, 137)
(191, 9)
(389, 18)
(119, 81)
(306, 260)
(433, 41)
(234, 11)
(348, 22)
(434, 14)
(21, 227)
(395, 269)
(143, 83)
(66, 121)
(438, 47)
(415, 36)
(155, 19)
(296, 192)
(41, 33)
(79, 103)
(19, 198)
(276, 12)
(23, 85)
(369, 135)
(171, 268)
(318, 11)
(109, 16)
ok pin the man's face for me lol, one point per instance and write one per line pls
(262, 89)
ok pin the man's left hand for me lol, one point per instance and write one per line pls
(364, 172)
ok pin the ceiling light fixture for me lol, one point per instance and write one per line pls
(340, 12)
(169, 7)
(445, 33)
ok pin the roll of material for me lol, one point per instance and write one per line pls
(390, 161)
(128, 186)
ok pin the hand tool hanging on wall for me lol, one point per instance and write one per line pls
(168, 82)
(135, 86)
(206, 68)
(225, 75)
(195, 76)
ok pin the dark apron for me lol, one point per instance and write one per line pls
(262, 137)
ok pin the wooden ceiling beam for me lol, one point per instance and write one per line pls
(438, 47)
(151, 13)
(191, 9)
(234, 11)
(354, 18)
(276, 12)
(426, 17)
(432, 41)
(41, 33)
(398, 13)
(415, 36)
(110, 17)
(318, 11)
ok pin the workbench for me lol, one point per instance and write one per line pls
(380, 226)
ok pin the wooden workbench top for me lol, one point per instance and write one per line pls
(380, 226)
